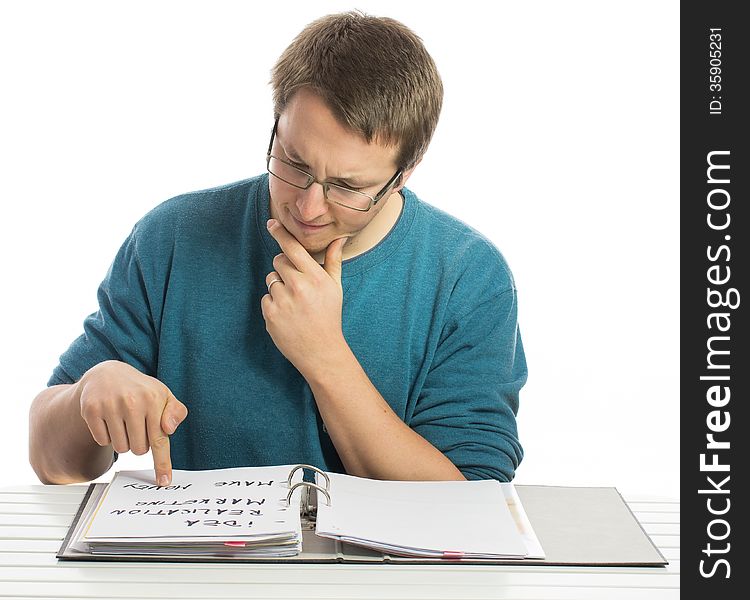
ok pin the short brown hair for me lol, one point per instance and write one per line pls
(374, 74)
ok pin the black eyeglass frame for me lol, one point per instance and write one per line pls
(311, 179)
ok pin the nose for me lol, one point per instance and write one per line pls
(311, 203)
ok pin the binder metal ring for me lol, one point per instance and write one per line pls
(308, 484)
(323, 473)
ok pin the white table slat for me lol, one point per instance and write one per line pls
(421, 589)
(633, 498)
(34, 520)
(47, 508)
(665, 541)
(645, 517)
(44, 489)
(340, 575)
(671, 553)
(41, 498)
(653, 529)
(32, 533)
(654, 506)
(8, 546)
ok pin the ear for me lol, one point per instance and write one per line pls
(405, 176)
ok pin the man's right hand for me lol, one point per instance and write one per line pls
(131, 411)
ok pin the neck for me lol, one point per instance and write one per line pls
(375, 231)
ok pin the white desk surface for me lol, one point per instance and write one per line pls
(34, 519)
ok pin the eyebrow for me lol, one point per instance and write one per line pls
(351, 181)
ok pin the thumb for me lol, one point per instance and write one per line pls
(332, 263)
(173, 414)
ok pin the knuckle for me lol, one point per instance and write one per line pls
(182, 411)
(90, 410)
(157, 398)
(130, 402)
(159, 442)
(268, 307)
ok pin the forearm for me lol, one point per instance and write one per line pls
(61, 448)
(371, 440)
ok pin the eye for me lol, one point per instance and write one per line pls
(349, 187)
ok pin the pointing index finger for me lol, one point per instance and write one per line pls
(290, 246)
(159, 442)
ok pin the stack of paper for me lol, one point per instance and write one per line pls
(441, 519)
(222, 511)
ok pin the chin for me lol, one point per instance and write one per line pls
(312, 248)
(316, 249)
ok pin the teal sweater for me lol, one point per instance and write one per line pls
(430, 313)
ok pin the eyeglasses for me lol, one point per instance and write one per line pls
(338, 194)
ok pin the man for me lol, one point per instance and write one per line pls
(320, 313)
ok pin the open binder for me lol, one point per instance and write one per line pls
(337, 513)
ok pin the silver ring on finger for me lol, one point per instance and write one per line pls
(270, 283)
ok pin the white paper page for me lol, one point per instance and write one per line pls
(533, 546)
(219, 503)
(445, 516)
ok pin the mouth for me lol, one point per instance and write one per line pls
(306, 227)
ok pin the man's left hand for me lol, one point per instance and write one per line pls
(303, 309)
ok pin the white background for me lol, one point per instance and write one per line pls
(559, 140)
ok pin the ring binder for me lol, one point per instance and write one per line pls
(316, 469)
(246, 514)
(308, 485)
(308, 510)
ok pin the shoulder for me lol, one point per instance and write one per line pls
(457, 247)
(196, 217)
(195, 207)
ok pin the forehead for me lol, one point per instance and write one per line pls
(309, 129)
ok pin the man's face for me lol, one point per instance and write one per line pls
(309, 137)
